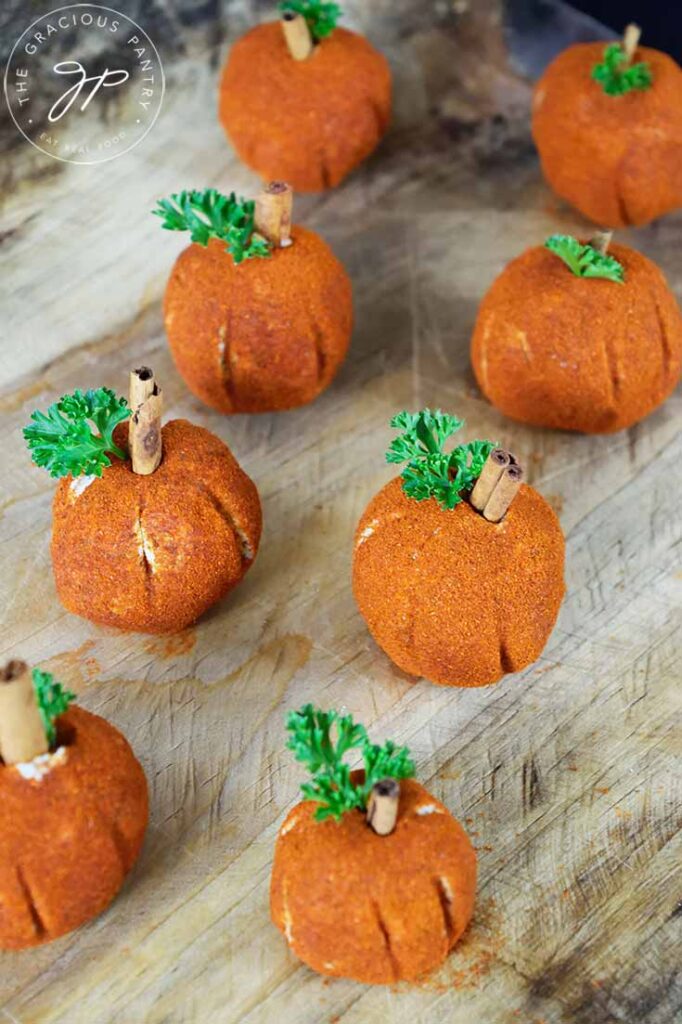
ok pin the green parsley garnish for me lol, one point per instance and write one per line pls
(616, 76)
(52, 700)
(312, 743)
(584, 260)
(62, 439)
(431, 472)
(320, 17)
(210, 214)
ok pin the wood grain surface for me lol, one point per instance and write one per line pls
(565, 775)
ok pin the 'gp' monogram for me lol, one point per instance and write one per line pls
(73, 67)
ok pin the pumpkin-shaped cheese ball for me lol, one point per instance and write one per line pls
(382, 893)
(304, 101)
(609, 131)
(150, 551)
(261, 325)
(459, 592)
(73, 811)
(557, 346)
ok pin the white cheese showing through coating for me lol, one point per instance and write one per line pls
(79, 484)
(40, 766)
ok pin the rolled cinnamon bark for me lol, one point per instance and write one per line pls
(504, 492)
(145, 435)
(493, 468)
(273, 213)
(601, 240)
(297, 35)
(144, 427)
(142, 385)
(382, 806)
(631, 41)
(22, 735)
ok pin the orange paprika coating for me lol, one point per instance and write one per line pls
(307, 122)
(451, 597)
(577, 353)
(617, 159)
(152, 553)
(377, 909)
(68, 841)
(268, 334)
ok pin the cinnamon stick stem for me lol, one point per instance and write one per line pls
(504, 492)
(297, 35)
(631, 41)
(273, 213)
(601, 240)
(141, 386)
(144, 426)
(22, 734)
(382, 806)
(493, 468)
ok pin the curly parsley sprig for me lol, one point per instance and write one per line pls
(617, 76)
(63, 441)
(321, 17)
(430, 471)
(210, 214)
(52, 700)
(320, 739)
(584, 260)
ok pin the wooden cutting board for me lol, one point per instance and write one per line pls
(563, 774)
